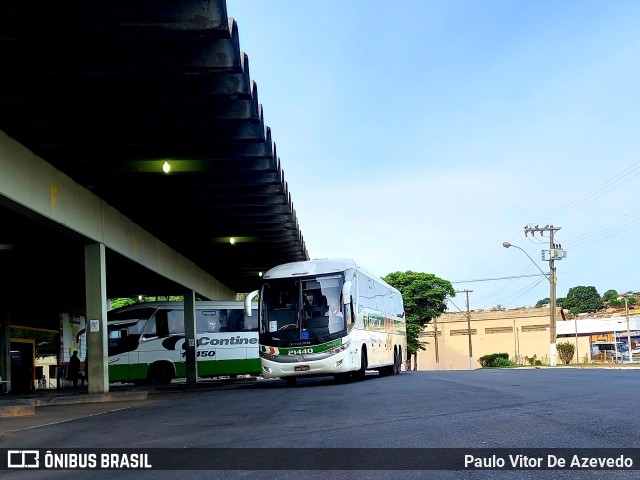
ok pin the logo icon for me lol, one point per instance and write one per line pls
(23, 459)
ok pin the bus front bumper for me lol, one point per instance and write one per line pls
(332, 365)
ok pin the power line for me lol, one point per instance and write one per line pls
(620, 178)
(499, 278)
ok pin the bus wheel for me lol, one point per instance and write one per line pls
(160, 374)
(394, 368)
(397, 364)
(360, 374)
(291, 381)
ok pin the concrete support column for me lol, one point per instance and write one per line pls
(190, 343)
(5, 352)
(96, 301)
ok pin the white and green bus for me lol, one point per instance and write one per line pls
(146, 341)
(328, 317)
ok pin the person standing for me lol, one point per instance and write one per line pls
(86, 370)
(74, 369)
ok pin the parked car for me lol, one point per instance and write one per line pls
(609, 351)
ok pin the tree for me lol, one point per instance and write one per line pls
(46, 342)
(424, 296)
(583, 300)
(610, 295)
(565, 352)
(544, 301)
(123, 302)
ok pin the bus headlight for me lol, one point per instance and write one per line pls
(338, 363)
(337, 349)
(266, 369)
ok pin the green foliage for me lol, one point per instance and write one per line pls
(533, 361)
(561, 302)
(46, 343)
(610, 295)
(123, 302)
(619, 301)
(494, 360)
(565, 352)
(503, 363)
(424, 296)
(583, 300)
(544, 301)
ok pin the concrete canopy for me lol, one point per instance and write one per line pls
(107, 92)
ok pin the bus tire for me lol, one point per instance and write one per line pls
(395, 369)
(291, 381)
(397, 364)
(160, 374)
(360, 374)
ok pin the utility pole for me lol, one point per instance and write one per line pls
(435, 339)
(555, 253)
(468, 327)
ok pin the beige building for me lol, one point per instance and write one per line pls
(522, 333)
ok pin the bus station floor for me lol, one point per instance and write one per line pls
(35, 403)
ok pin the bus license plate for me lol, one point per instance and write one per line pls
(302, 368)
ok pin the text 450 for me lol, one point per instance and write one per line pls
(206, 353)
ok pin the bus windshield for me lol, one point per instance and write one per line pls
(125, 328)
(302, 311)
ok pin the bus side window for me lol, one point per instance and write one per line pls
(251, 323)
(223, 320)
(235, 320)
(175, 321)
(366, 294)
(157, 326)
(202, 323)
(150, 330)
(208, 321)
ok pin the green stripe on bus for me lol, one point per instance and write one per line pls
(315, 348)
(206, 368)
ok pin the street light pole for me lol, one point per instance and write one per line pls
(552, 284)
(554, 281)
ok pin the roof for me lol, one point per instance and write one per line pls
(179, 304)
(310, 267)
(108, 91)
(320, 266)
(598, 325)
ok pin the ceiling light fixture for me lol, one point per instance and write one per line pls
(166, 167)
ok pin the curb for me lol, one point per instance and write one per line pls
(90, 398)
(17, 410)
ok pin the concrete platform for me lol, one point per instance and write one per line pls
(25, 406)
(16, 409)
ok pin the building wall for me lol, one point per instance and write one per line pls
(521, 333)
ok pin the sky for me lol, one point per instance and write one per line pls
(420, 135)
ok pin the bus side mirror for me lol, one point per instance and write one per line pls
(346, 292)
(247, 302)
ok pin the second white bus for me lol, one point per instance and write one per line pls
(146, 341)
